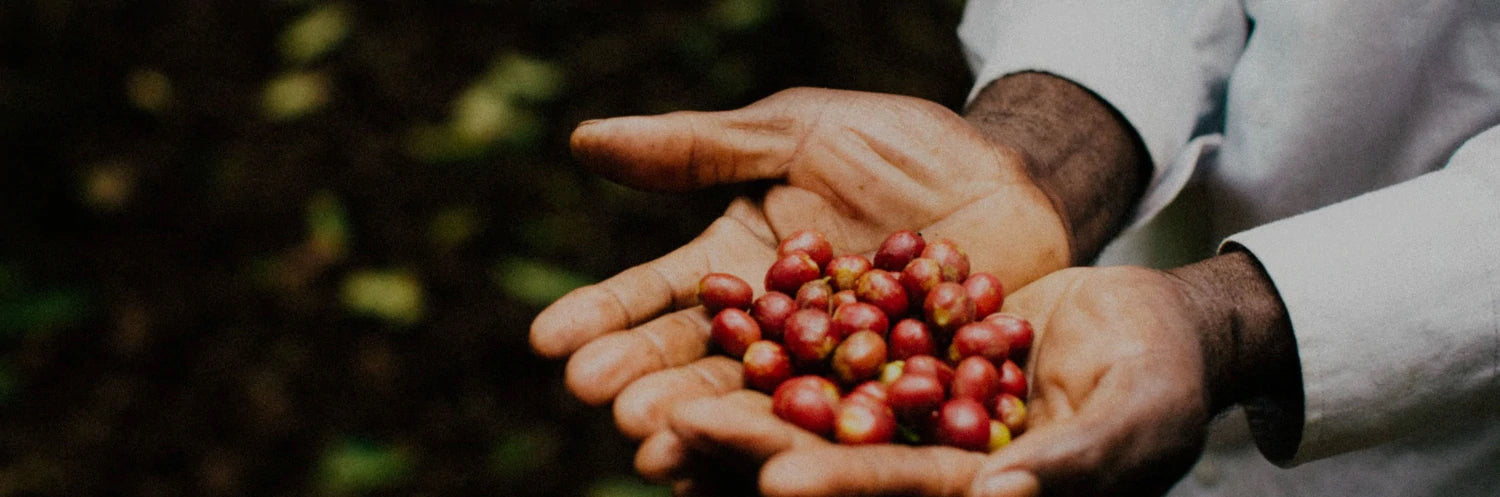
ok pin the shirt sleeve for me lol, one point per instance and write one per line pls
(1161, 63)
(1394, 298)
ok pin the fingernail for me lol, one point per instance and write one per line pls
(1007, 484)
(588, 122)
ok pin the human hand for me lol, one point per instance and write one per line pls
(1128, 366)
(854, 166)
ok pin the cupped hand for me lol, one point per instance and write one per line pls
(1118, 406)
(855, 166)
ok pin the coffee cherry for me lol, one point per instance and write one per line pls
(734, 330)
(807, 401)
(999, 435)
(898, 249)
(771, 311)
(919, 277)
(975, 378)
(814, 294)
(1012, 379)
(954, 261)
(808, 335)
(1011, 410)
(719, 291)
(872, 390)
(859, 357)
(883, 288)
(766, 365)
(891, 370)
(915, 396)
(986, 292)
(844, 270)
(948, 307)
(1017, 331)
(788, 273)
(929, 365)
(964, 423)
(840, 298)
(860, 420)
(809, 242)
(911, 337)
(982, 339)
(859, 316)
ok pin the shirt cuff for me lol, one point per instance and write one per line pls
(1394, 298)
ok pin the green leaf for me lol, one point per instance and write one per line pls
(736, 15)
(393, 295)
(293, 95)
(621, 486)
(535, 282)
(523, 452)
(42, 312)
(314, 34)
(356, 466)
(328, 225)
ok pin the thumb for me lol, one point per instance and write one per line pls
(688, 150)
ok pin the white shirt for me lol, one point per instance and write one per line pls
(1357, 142)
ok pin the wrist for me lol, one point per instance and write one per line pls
(1249, 349)
(1077, 150)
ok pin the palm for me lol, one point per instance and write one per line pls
(855, 166)
(1117, 365)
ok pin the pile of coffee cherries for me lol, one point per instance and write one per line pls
(915, 340)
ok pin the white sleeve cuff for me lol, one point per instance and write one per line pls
(1394, 297)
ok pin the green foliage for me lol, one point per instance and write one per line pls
(395, 296)
(352, 467)
(523, 452)
(535, 282)
(318, 32)
(626, 487)
(294, 94)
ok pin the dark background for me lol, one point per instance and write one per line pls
(294, 247)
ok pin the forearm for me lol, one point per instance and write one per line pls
(1249, 350)
(1078, 150)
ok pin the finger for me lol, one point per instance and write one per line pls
(599, 370)
(738, 243)
(661, 457)
(870, 470)
(689, 150)
(642, 407)
(739, 427)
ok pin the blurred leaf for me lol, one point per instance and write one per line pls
(42, 312)
(535, 282)
(393, 295)
(149, 90)
(327, 225)
(435, 143)
(453, 226)
(108, 186)
(315, 34)
(517, 76)
(621, 486)
(738, 15)
(552, 232)
(355, 466)
(293, 95)
(481, 116)
(521, 453)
